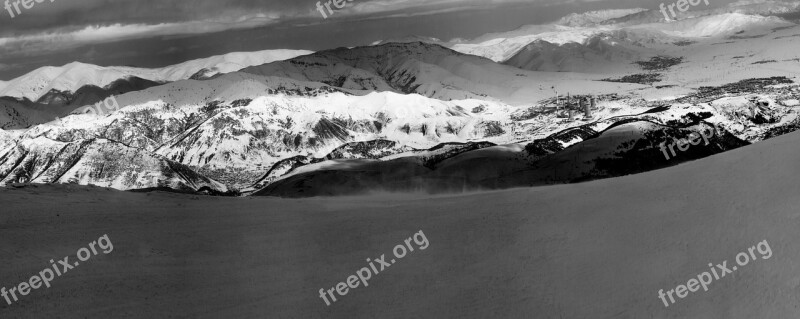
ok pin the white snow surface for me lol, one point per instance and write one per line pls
(74, 75)
(502, 46)
(600, 249)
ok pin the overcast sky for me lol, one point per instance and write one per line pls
(155, 33)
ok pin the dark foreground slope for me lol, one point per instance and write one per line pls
(627, 147)
(600, 249)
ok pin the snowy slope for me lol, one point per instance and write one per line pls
(761, 7)
(615, 146)
(603, 53)
(720, 25)
(225, 63)
(622, 142)
(757, 7)
(592, 18)
(430, 70)
(15, 115)
(500, 47)
(646, 28)
(235, 127)
(549, 251)
(97, 162)
(73, 76)
(592, 250)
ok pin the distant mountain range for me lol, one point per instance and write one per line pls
(413, 115)
(71, 77)
(49, 92)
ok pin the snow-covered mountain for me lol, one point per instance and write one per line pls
(615, 146)
(603, 53)
(427, 69)
(98, 162)
(413, 112)
(235, 127)
(760, 7)
(646, 28)
(73, 76)
(721, 25)
(248, 133)
(502, 46)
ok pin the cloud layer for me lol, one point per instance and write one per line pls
(101, 20)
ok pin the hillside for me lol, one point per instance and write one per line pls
(73, 76)
(427, 69)
(236, 127)
(650, 34)
(408, 101)
(597, 249)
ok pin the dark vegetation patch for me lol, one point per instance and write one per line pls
(688, 119)
(788, 36)
(330, 129)
(706, 94)
(764, 61)
(241, 102)
(362, 150)
(782, 28)
(659, 63)
(494, 128)
(644, 154)
(642, 78)
(783, 129)
(736, 37)
(552, 144)
(450, 150)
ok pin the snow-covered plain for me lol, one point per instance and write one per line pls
(594, 250)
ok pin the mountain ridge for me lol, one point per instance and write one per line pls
(74, 75)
